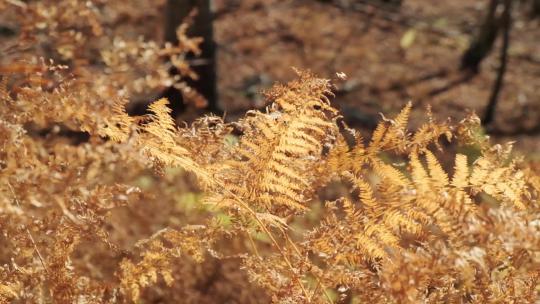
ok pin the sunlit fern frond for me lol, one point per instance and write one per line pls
(460, 180)
(429, 133)
(339, 158)
(305, 92)
(352, 214)
(398, 125)
(382, 233)
(419, 175)
(427, 196)
(366, 196)
(378, 139)
(402, 222)
(402, 119)
(159, 139)
(505, 183)
(391, 134)
(4, 93)
(347, 154)
(438, 175)
(118, 127)
(367, 248)
(161, 124)
(389, 172)
(281, 148)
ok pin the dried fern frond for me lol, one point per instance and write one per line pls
(281, 148)
(398, 227)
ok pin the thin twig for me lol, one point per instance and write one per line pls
(507, 23)
(319, 282)
(17, 3)
(27, 230)
(266, 231)
(250, 238)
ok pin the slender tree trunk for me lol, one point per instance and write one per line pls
(535, 8)
(483, 42)
(205, 65)
(506, 24)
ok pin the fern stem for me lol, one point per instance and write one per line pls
(319, 282)
(255, 250)
(264, 228)
(28, 231)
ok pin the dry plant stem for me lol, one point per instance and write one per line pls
(276, 244)
(17, 3)
(28, 231)
(315, 290)
(319, 282)
(270, 235)
(253, 245)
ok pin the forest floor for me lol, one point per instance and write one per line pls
(390, 57)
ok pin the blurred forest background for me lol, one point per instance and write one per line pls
(456, 56)
(444, 53)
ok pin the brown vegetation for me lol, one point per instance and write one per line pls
(287, 204)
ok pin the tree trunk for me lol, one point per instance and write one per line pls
(506, 23)
(205, 67)
(483, 43)
(535, 8)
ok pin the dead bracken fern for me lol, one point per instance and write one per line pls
(404, 233)
(240, 212)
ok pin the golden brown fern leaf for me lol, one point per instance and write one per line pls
(391, 136)
(339, 157)
(159, 252)
(391, 133)
(439, 178)
(460, 179)
(345, 240)
(430, 132)
(279, 151)
(506, 183)
(119, 126)
(347, 154)
(159, 140)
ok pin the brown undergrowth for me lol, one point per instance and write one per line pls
(408, 230)
(285, 205)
